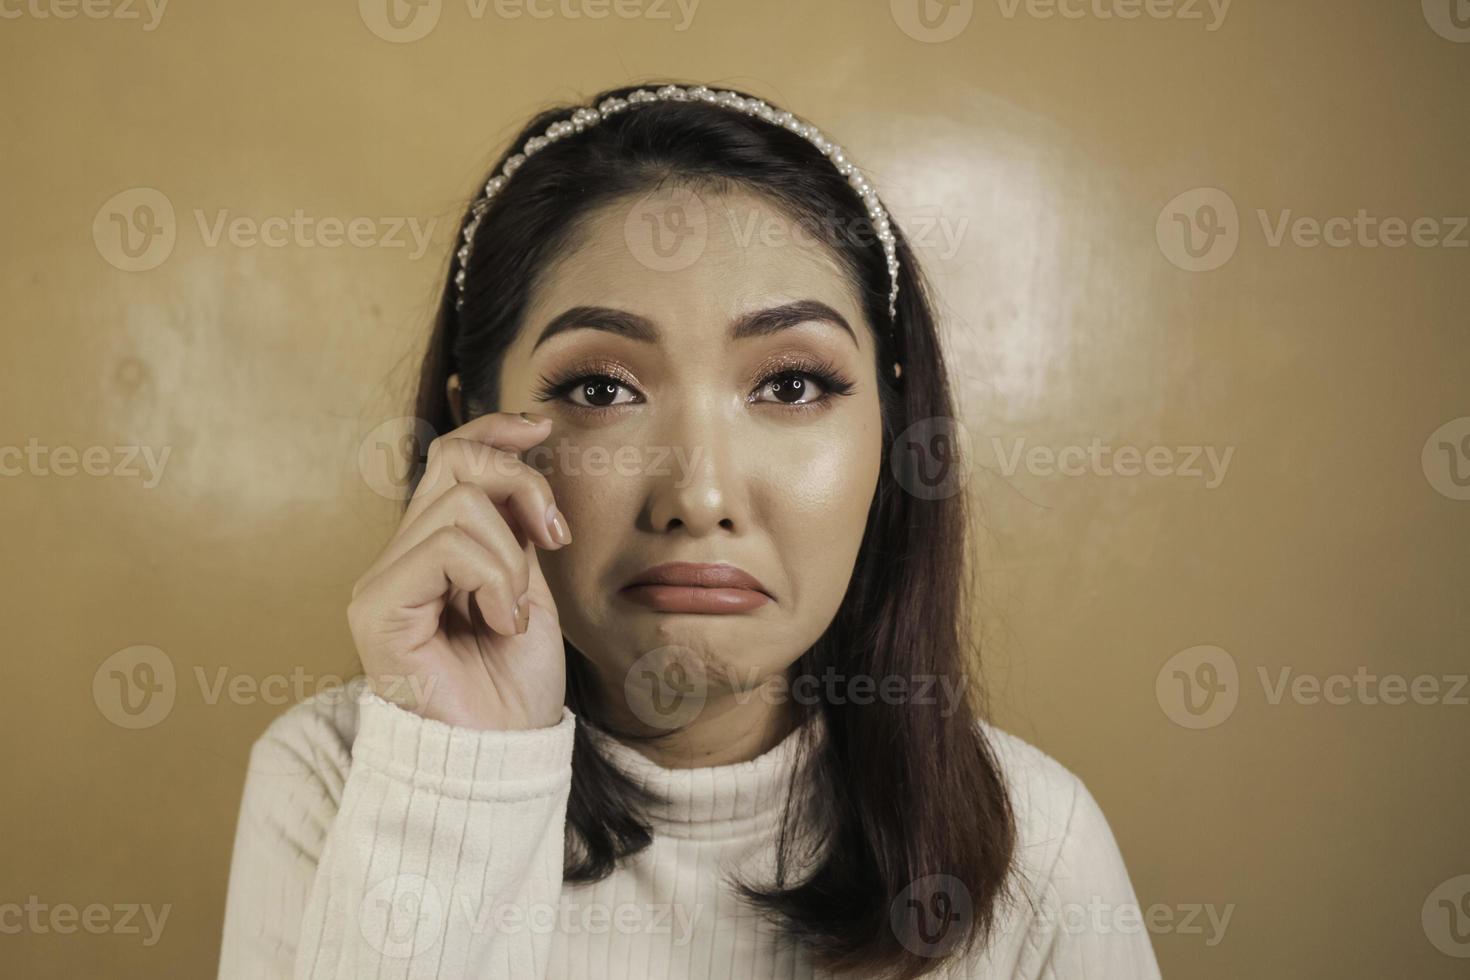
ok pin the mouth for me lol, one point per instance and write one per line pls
(691, 587)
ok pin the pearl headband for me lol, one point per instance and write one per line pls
(589, 116)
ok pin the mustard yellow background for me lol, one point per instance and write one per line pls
(1047, 167)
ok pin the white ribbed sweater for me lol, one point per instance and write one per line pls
(375, 844)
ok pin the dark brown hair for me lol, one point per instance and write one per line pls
(898, 792)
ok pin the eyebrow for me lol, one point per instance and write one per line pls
(760, 323)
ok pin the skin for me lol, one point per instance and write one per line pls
(703, 460)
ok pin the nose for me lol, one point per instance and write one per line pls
(699, 488)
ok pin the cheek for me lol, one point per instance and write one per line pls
(601, 507)
(816, 501)
(823, 482)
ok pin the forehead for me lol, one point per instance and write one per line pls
(694, 258)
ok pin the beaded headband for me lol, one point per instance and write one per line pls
(590, 116)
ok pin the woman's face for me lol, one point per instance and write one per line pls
(712, 433)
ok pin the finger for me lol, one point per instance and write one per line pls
(467, 507)
(522, 493)
(536, 586)
(448, 559)
(508, 430)
(538, 592)
(514, 432)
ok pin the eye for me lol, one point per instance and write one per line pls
(793, 388)
(597, 391)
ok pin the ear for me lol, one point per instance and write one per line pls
(456, 402)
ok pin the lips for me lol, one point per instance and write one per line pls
(690, 587)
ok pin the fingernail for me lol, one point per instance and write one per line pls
(523, 613)
(558, 525)
(535, 418)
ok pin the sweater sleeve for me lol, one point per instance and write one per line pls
(416, 850)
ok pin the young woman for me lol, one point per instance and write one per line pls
(729, 729)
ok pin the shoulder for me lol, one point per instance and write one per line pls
(1068, 870)
(1063, 839)
(1043, 792)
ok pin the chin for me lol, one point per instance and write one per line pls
(712, 651)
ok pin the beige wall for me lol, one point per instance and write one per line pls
(1048, 150)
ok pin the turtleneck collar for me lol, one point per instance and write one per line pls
(706, 800)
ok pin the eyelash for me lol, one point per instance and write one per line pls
(832, 381)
